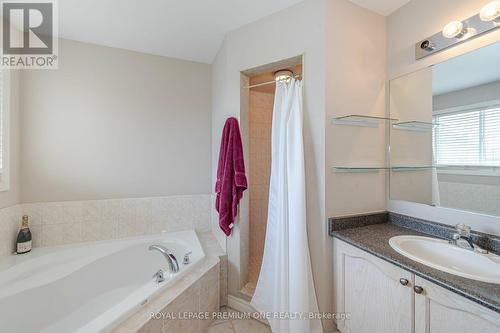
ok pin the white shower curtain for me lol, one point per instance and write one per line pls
(285, 287)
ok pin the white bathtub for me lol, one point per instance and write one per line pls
(88, 287)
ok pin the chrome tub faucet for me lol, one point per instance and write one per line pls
(173, 265)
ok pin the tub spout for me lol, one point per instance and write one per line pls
(173, 265)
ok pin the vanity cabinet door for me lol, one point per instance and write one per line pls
(377, 295)
(438, 310)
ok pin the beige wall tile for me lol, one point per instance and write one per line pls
(261, 110)
(61, 234)
(188, 301)
(209, 298)
(152, 326)
(223, 280)
(92, 210)
(36, 234)
(53, 213)
(260, 130)
(72, 211)
(10, 222)
(59, 223)
(225, 327)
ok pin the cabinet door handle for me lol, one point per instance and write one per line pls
(404, 281)
(418, 289)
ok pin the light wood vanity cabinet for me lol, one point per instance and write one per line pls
(438, 310)
(372, 291)
(380, 298)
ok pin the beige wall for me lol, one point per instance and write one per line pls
(482, 93)
(344, 72)
(111, 123)
(355, 84)
(297, 30)
(12, 195)
(411, 23)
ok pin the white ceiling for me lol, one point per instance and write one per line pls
(383, 7)
(469, 70)
(185, 29)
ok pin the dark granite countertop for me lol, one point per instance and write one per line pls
(374, 239)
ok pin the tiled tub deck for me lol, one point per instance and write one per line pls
(197, 293)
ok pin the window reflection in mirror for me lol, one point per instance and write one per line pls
(450, 157)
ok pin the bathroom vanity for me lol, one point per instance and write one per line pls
(384, 291)
(443, 165)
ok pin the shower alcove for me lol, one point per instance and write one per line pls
(246, 247)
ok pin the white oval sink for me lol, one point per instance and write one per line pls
(439, 254)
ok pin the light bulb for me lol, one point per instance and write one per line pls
(453, 29)
(490, 12)
(283, 75)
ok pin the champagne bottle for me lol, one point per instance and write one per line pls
(24, 237)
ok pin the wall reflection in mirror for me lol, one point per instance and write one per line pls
(445, 145)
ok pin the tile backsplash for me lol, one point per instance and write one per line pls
(10, 221)
(59, 223)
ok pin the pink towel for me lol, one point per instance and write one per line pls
(231, 179)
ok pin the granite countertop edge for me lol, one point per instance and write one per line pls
(442, 282)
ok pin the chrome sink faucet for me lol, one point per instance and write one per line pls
(173, 265)
(463, 239)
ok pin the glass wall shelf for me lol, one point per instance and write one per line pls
(358, 169)
(420, 126)
(402, 168)
(376, 169)
(359, 120)
(412, 168)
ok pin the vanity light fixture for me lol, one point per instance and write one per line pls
(490, 12)
(469, 32)
(456, 32)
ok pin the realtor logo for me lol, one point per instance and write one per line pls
(29, 34)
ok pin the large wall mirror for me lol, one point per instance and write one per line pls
(445, 143)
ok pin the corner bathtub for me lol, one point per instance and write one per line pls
(87, 287)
